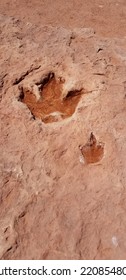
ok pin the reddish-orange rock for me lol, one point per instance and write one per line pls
(57, 202)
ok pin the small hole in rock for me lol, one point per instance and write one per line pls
(45, 100)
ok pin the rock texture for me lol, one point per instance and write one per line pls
(57, 201)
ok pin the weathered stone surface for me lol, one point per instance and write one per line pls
(54, 204)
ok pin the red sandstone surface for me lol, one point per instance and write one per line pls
(63, 129)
